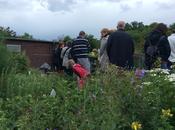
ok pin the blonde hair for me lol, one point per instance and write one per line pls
(71, 62)
(105, 30)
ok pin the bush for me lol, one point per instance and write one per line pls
(4, 58)
(113, 100)
(19, 62)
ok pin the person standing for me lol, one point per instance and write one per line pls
(120, 47)
(156, 44)
(164, 47)
(171, 40)
(80, 51)
(104, 60)
(57, 60)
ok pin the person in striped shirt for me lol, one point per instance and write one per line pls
(80, 51)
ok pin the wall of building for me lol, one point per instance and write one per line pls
(37, 52)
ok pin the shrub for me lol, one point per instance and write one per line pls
(4, 58)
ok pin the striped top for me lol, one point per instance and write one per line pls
(80, 48)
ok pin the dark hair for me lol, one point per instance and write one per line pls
(162, 27)
(82, 33)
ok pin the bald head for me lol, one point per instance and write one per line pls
(121, 25)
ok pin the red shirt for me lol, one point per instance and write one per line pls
(80, 71)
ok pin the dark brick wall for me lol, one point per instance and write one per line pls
(37, 52)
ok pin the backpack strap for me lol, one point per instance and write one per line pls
(65, 51)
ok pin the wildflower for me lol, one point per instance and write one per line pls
(136, 125)
(166, 113)
(146, 83)
(29, 72)
(171, 77)
(139, 73)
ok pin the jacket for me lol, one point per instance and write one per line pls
(120, 49)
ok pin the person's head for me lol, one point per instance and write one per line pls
(71, 62)
(104, 32)
(121, 25)
(61, 44)
(82, 34)
(162, 28)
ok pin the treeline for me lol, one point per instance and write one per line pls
(138, 30)
(6, 32)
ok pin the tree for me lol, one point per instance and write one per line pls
(172, 26)
(94, 42)
(26, 36)
(6, 32)
(67, 38)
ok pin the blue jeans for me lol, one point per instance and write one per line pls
(164, 65)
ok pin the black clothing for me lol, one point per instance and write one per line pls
(158, 39)
(164, 49)
(57, 60)
(120, 49)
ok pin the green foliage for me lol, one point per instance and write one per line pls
(19, 62)
(67, 38)
(94, 42)
(4, 58)
(26, 36)
(6, 32)
(109, 101)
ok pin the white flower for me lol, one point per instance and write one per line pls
(165, 71)
(171, 77)
(29, 72)
(153, 75)
(146, 83)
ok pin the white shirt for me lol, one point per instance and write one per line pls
(171, 40)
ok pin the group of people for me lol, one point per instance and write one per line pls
(72, 57)
(116, 48)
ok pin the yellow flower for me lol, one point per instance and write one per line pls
(166, 113)
(136, 125)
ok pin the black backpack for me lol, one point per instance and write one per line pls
(152, 49)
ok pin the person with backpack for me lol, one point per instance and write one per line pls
(156, 45)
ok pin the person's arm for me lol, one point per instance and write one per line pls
(164, 49)
(108, 46)
(103, 46)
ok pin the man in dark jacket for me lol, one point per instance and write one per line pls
(120, 47)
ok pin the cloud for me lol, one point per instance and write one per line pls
(125, 7)
(58, 5)
(165, 5)
(68, 5)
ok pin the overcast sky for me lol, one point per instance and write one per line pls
(49, 19)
